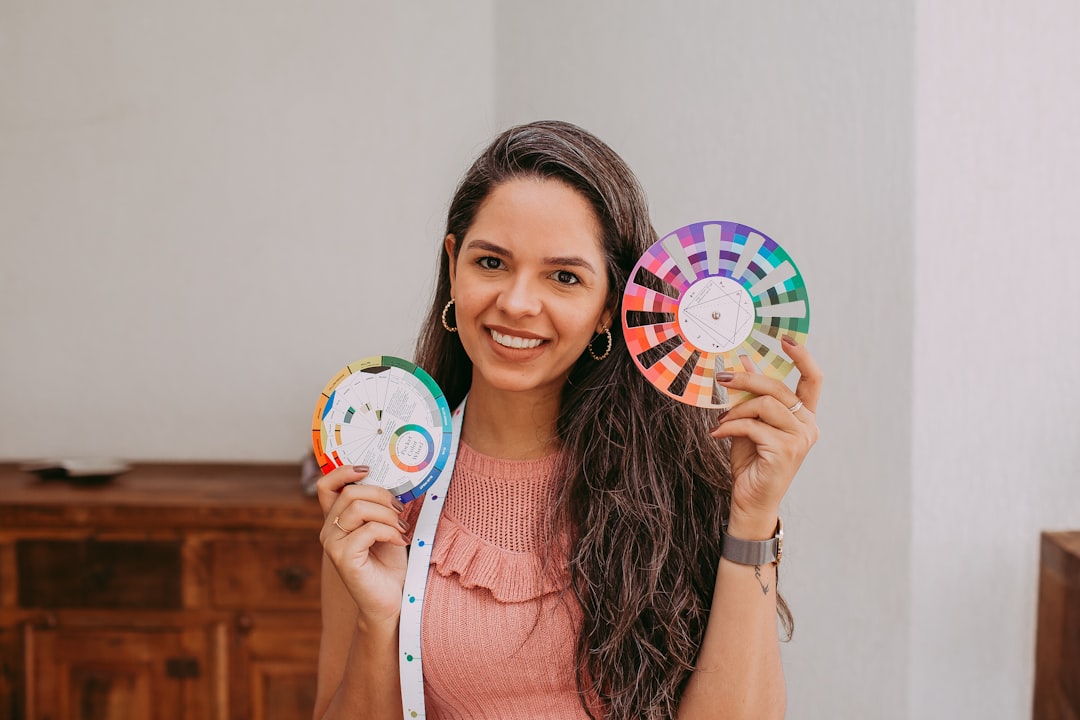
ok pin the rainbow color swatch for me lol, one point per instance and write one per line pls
(388, 414)
(709, 297)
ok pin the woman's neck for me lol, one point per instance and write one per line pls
(511, 425)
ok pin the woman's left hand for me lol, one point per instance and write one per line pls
(770, 436)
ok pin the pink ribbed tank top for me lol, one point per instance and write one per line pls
(498, 635)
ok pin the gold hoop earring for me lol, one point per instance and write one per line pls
(606, 352)
(444, 311)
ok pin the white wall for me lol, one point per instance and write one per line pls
(795, 119)
(996, 454)
(207, 209)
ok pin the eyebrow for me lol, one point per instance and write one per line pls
(571, 261)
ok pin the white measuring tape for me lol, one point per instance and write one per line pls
(416, 576)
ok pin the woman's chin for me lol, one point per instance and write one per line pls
(508, 381)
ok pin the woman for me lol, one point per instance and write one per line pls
(577, 570)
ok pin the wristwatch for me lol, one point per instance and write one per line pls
(755, 552)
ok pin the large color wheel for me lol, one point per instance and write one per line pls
(705, 296)
(388, 414)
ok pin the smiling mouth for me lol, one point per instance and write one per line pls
(519, 343)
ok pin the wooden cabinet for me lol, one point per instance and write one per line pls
(172, 592)
(77, 672)
(1057, 651)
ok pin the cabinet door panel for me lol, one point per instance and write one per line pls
(10, 670)
(282, 691)
(100, 674)
(274, 672)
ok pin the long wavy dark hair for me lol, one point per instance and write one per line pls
(643, 491)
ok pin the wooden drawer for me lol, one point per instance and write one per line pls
(266, 572)
(93, 574)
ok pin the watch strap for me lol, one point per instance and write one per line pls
(755, 552)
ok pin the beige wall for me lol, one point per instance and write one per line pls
(207, 209)
(795, 119)
(996, 454)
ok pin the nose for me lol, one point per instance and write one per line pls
(519, 298)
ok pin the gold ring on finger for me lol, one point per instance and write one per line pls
(338, 525)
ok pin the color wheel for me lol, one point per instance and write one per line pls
(388, 414)
(706, 295)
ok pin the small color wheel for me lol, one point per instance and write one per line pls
(388, 414)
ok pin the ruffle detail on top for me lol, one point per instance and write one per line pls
(510, 576)
(494, 499)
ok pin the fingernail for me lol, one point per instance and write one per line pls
(789, 340)
(360, 468)
(403, 525)
(725, 376)
(398, 505)
(403, 537)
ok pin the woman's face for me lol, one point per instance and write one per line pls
(529, 285)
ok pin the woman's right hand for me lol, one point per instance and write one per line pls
(363, 535)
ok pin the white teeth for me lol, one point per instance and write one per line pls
(515, 342)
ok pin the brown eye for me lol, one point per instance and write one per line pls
(565, 277)
(489, 262)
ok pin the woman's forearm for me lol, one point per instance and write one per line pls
(371, 685)
(358, 664)
(739, 673)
